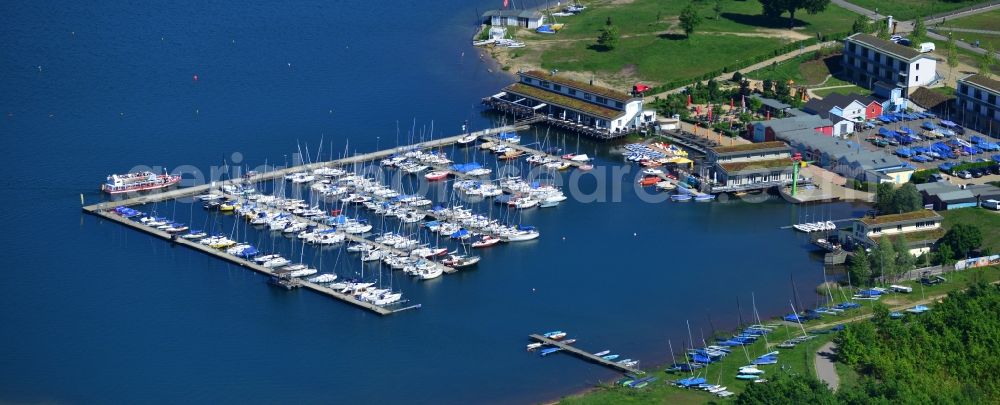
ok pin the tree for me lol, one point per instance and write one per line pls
(987, 60)
(904, 260)
(945, 256)
(713, 90)
(859, 270)
(862, 24)
(884, 193)
(609, 37)
(717, 8)
(774, 8)
(907, 199)
(782, 91)
(768, 88)
(884, 258)
(919, 33)
(800, 388)
(737, 77)
(755, 104)
(962, 238)
(881, 29)
(608, 21)
(689, 19)
(951, 53)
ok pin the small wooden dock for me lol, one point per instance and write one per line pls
(585, 355)
(531, 151)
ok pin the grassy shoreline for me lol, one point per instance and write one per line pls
(796, 360)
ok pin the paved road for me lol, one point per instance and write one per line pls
(987, 32)
(826, 371)
(907, 26)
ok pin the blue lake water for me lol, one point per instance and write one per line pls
(96, 313)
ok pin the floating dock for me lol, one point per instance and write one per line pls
(585, 355)
(106, 210)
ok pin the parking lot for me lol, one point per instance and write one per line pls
(927, 142)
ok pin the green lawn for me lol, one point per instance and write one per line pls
(910, 9)
(989, 20)
(971, 59)
(804, 70)
(985, 40)
(843, 90)
(639, 17)
(658, 59)
(987, 221)
(646, 51)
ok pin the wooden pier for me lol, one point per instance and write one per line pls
(236, 260)
(154, 196)
(585, 355)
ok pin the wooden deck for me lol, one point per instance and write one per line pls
(585, 355)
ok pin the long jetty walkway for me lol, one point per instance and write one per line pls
(106, 210)
(585, 355)
(280, 173)
(239, 261)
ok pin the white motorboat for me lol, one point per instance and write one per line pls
(276, 262)
(431, 273)
(323, 278)
(465, 140)
(520, 236)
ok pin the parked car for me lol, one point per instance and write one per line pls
(933, 280)
(992, 205)
(995, 169)
(977, 173)
(926, 47)
(964, 174)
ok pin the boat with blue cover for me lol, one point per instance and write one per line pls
(546, 352)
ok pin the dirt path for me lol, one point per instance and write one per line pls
(748, 69)
(826, 371)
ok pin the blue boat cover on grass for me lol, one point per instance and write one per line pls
(691, 381)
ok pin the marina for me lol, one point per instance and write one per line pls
(331, 181)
